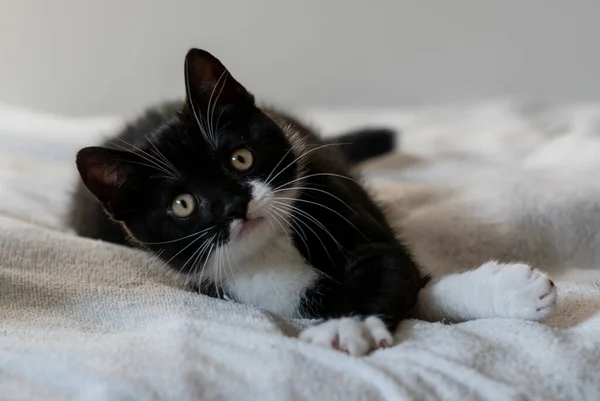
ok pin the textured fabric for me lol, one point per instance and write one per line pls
(84, 320)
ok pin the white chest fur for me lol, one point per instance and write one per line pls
(274, 278)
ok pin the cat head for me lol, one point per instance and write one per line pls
(215, 173)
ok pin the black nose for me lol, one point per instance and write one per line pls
(235, 207)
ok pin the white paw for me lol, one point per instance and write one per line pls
(519, 291)
(352, 336)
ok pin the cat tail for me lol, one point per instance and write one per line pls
(366, 143)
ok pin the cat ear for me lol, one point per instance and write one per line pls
(105, 172)
(208, 82)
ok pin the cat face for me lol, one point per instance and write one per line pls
(217, 173)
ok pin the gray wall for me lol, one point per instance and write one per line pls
(113, 56)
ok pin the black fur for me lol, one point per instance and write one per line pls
(366, 270)
(88, 217)
(366, 143)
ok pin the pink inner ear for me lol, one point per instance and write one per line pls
(103, 176)
(206, 75)
(203, 67)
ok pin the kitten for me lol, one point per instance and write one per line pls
(89, 219)
(251, 205)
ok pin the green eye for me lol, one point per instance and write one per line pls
(242, 159)
(183, 205)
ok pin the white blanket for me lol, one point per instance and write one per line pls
(84, 320)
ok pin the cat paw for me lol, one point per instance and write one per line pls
(353, 336)
(520, 291)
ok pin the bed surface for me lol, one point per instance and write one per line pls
(84, 320)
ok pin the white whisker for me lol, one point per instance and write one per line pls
(275, 213)
(318, 238)
(327, 208)
(190, 258)
(194, 266)
(316, 175)
(184, 248)
(317, 190)
(164, 158)
(154, 167)
(206, 251)
(152, 163)
(301, 213)
(207, 258)
(306, 215)
(229, 267)
(220, 267)
(145, 155)
(313, 231)
(296, 159)
(151, 262)
(178, 239)
(190, 98)
(209, 112)
(219, 127)
(267, 181)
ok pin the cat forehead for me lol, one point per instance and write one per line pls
(229, 123)
(200, 147)
(201, 150)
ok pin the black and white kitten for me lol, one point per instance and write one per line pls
(251, 205)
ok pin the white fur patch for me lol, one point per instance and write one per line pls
(353, 336)
(264, 268)
(492, 290)
(275, 278)
(262, 195)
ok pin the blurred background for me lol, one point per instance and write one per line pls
(82, 57)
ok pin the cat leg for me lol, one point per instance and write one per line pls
(353, 336)
(492, 290)
(379, 289)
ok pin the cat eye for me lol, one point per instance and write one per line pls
(242, 159)
(183, 205)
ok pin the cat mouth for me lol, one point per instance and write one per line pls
(246, 227)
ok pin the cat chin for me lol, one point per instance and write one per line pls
(242, 229)
(247, 240)
(267, 218)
